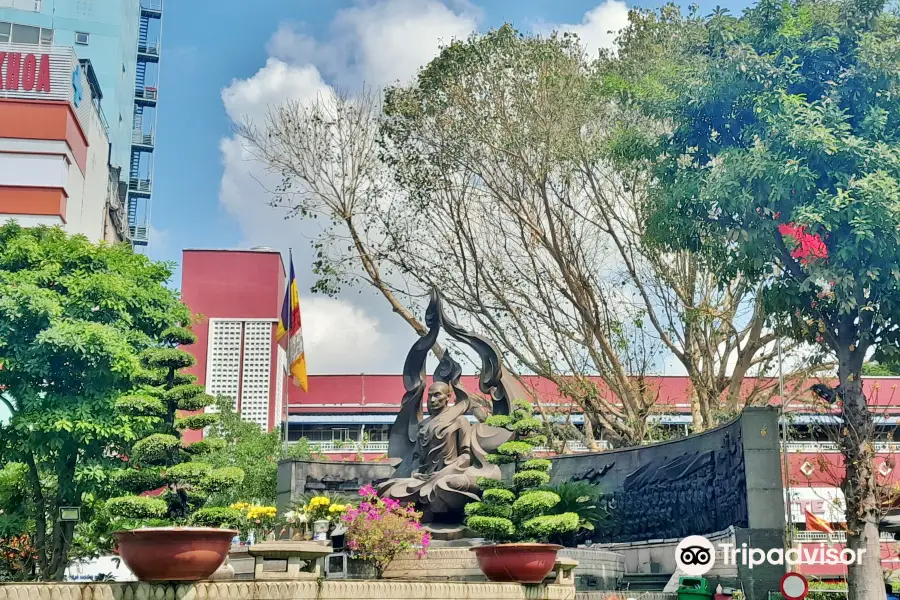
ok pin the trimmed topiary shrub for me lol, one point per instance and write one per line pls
(218, 516)
(159, 457)
(523, 513)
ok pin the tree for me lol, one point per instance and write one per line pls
(520, 204)
(74, 317)
(779, 162)
(160, 458)
(244, 445)
(326, 153)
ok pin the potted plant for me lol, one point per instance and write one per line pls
(519, 517)
(168, 480)
(379, 530)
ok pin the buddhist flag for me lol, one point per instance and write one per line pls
(814, 523)
(289, 325)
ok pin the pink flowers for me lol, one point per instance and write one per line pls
(809, 246)
(381, 528)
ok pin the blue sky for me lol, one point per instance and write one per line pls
(241, 57)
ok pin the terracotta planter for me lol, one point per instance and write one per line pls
(174, 553)
(523, 563)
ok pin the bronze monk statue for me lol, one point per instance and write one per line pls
(441, 456)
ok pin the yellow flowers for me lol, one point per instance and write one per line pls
(241, 506)
(318, 501)
(337, 508)
(261, 512)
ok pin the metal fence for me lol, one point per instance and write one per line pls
(815, 595)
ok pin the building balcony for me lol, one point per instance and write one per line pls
(151, 8)
(832, 447)
(839, 537)
(148, 51)
(140, 187)
(349, 447)
(144, 139)
(145, 96)
(140, 235)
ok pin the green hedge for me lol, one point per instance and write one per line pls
(137, 507)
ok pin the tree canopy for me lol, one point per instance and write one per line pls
(777, 159)
(74, 319)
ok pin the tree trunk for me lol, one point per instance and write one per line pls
(865, 580)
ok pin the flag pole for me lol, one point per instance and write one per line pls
(287, 363)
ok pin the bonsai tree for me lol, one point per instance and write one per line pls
(520, 511)
(160, 461)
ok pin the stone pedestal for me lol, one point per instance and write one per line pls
(302, 558)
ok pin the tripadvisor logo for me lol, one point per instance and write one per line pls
(696, 555)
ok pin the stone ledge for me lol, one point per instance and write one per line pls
(287, 590)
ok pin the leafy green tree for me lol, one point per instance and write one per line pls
(160, 458)
(239, 443)
(778, 157)
(74, 318)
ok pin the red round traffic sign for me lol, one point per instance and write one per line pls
(794, 586)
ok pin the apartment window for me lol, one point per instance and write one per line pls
(82, 38)
(25, 34)
(30, 5)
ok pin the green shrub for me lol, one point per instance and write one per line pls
(533, 503)
(529, 479)
(489, 483)
(535, 440)
(495, 529)
(205, 446)
(198, 421)
(498, 496)
(500, 459)
(188, 472)
(523, 405)
(218, 516)
(220, 479)
(179, 336)
(537, 464)
(527, 425)
(542, 528)
(141, 406)
(515, 449)
(499, 420)
(137, 480)
(168, 358)
(137, 507)
(485, 509)
(156, 449)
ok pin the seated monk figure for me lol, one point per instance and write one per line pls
(446, 460)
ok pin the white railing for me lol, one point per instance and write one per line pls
(836, 537)
(151, 48)
(151, 5)
(349, 447)
(140, 234)
(831, 447)
(139, 185)
(146, 94)
(142, 138)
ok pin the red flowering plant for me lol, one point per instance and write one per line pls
(17, 558)
(380, 529)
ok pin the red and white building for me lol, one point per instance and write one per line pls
(240, 293)
(54, 147)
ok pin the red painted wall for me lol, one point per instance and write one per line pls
(231, 284)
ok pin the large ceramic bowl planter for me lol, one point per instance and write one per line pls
(174, 553)
(523, 563)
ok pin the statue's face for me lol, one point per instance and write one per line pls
(438, 396)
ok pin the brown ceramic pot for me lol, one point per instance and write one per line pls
(174, 553)
(524, 563)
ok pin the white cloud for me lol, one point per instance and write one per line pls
(598, 28)
(341, 338)
(376, 43)
(372, 43)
